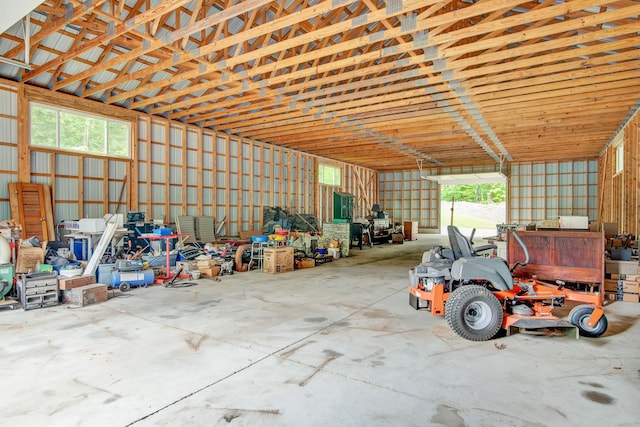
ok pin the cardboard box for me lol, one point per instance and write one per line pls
(574, 222)
(631, 298)
(615, 243)
(612, 285)
(630, 286)
(611, 296)
(187, 265)
(610, 229)
(205, 263)
(28, 257)
(85, 295)
(620, 267)
(617, 276)
(305, 263)
(278, 260)
(74, 282)
(549, 223)
(210, 272)
(397, 238)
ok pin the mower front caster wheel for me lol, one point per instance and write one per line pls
(474, 313)
(579, 316)
(124, 287)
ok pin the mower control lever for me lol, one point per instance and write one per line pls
(525, 250)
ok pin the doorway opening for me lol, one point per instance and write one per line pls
(473, 201)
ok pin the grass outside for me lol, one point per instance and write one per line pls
(466, 215)
(468, 221)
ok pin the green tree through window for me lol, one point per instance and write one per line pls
(476, 193)
(74, 131)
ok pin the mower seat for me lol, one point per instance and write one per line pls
(462, 247)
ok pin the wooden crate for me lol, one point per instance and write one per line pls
(28, 257)
(85, 295)
(74, 282)
(397, 238)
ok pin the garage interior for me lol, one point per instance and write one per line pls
(228, 136)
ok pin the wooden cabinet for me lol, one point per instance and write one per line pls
(573, 256)
(411, 230)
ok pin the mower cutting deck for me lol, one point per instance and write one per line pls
(479, 296)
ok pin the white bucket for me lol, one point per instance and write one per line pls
(334, 252)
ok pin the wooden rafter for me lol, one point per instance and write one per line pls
(373, 82)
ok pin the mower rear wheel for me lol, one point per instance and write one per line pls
(579, 316)
(474, 313)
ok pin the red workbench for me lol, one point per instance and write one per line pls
(167, 238)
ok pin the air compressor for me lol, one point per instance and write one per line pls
(128, 275)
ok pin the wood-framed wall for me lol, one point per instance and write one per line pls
(213, 173)
(174, 169)
(619, 200)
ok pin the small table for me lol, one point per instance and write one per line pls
(167, 238)
(87, 240)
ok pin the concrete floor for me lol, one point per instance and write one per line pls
(334, 345)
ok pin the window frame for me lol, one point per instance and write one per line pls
(618, 148)
(337, 173)
(106, 120)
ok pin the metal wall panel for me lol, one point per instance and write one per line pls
(8, 130)
(5, 210)
(207, 161)
(176, 137)
(8, 102)
(207, 196)
(41, 163)
(405, 196)
(221, 145)
(9, 159)
(158, 174)
(207, 179)
(192, 178)
(69, 165)
(64, 211)
(175, 155)
(192, 159)
(157, 153)
(157, 193)
(233, 147)
(192, 139)
(8, 135)
(175, 196)
(142, 150)
(174, 211)
(548, 190)
(93, 190)
(157, 133)
(175, 175)
(221, 181)
(142, 130)
(233, 181)
(221, 162)
(93, 211)
(233, 165)
(207, 142)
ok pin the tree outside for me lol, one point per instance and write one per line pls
(475, 193)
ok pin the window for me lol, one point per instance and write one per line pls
(329, 175)
(619, 158)
(71, 130)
